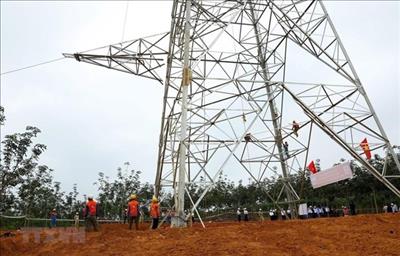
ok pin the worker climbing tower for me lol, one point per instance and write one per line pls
(229, 102)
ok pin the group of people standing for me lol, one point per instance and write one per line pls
(392, 207)
(245, 214)
(133, 213)
(318, 211)
(315, 211)
(53, 219)
(273, 214)
(325, 211)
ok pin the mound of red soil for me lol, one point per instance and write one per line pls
(356, 235)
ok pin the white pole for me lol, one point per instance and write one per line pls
(179, 218)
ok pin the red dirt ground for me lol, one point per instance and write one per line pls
(355, 235)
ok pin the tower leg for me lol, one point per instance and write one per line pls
(179, 218)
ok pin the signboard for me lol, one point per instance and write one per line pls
(331, 175)
(303, 209)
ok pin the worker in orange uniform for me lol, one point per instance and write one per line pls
(91, 214)
(154, 212)
(133, 212)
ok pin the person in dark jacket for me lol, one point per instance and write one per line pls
(295, 128)
(352, 208)
(53, 218)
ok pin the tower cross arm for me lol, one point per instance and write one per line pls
(142, 57)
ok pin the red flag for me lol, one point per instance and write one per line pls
(364, 145)
(311, 167)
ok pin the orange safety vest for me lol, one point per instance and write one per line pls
(155, 210)
(91, 204)
(133, 208)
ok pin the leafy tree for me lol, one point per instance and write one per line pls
(72, 204)
(26, 187)
(19, 164)
(113, 195)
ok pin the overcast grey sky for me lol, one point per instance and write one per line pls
(93, 119)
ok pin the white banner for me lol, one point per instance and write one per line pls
(331, 175)
(303, 209)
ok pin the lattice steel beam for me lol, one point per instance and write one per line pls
(225, 91)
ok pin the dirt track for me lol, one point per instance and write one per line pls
(359, 235)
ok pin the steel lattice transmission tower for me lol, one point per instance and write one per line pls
(226, 94)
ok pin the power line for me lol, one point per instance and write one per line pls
(126, 17)
(32, 66)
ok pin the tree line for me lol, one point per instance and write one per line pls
(27, 187)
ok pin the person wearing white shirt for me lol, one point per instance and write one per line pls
(283, 215)
(395, 208)
(246, 214)
(261, 215)
(239, 215)
(327, 210)
(310, 212)
(76, 220)
(289, 213)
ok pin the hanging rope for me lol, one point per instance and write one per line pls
(32, 66)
